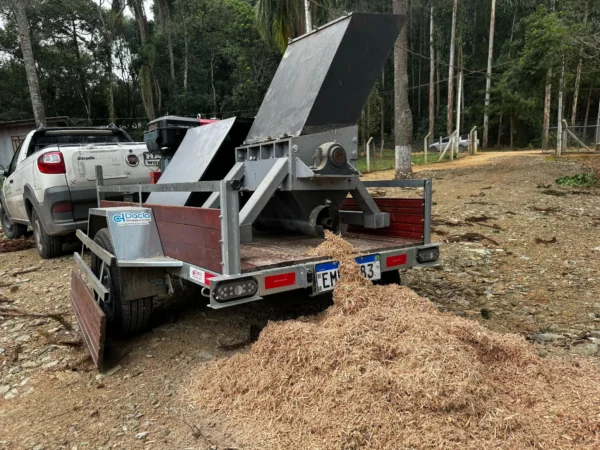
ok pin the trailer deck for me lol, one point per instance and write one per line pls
(270, 251)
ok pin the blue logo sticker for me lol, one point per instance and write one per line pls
(132, 218)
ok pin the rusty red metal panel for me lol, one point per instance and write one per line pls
(90, 317)
(406, 217)
(193, 245)
(198, 217)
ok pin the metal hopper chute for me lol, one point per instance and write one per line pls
(300, 153)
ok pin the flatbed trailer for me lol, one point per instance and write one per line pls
(153, 245)
(242, 201)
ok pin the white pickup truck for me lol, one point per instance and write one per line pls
(50, 183)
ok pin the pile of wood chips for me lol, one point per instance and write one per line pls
(384, 369)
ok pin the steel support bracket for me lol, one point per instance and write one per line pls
(262, 195)
(372, 217)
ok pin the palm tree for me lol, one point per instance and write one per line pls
(281, 20)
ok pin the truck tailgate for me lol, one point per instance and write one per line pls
(81, 164)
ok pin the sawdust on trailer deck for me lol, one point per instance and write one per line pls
(383, 368)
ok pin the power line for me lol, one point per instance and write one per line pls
(459, 68)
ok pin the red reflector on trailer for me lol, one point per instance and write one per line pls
(398, 260)
(282, 280)
(207, 278)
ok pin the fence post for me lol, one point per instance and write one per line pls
(475, 149)
(597, 143)
(425, 146)
(471, 140)
(369, 154)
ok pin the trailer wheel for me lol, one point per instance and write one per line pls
(392, 277)
(124, 318)
(11, 231)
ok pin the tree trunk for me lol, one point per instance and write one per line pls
(578, 76)
(512, 34)
(438, 95)
(382, 105)
(488, 82)
(511, 131)
(419, 91)
(81, 74)
(29, 61)
(171, 56)
(140, 18)
(146, 72)
(403, 115)
(587, 116)
(451, 68)
(547, 105)
(431, 82)
(186, 56)
(212, 81)
(499, 131)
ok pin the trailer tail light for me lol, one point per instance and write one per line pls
(52, 163)
(234, 290)
(428, 255)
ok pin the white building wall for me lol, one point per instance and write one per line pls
(6, 141)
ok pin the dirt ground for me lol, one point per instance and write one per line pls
(535, 273)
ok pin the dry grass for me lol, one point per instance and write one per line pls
(384, 369)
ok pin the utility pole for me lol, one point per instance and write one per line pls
(308, 15)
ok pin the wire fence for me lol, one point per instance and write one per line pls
(583, 136)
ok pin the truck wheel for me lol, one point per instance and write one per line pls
(48, 246)
(392, 277)
(11, 231)
(124, 318)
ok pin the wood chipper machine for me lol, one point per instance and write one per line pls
(242, 201)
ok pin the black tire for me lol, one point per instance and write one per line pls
(11, 231)
(47, 246)
(392, 277)
(123, 318)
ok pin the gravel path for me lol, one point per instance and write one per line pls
(536, 274)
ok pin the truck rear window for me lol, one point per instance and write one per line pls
(44, 140)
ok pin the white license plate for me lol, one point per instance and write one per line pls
(328, 274)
